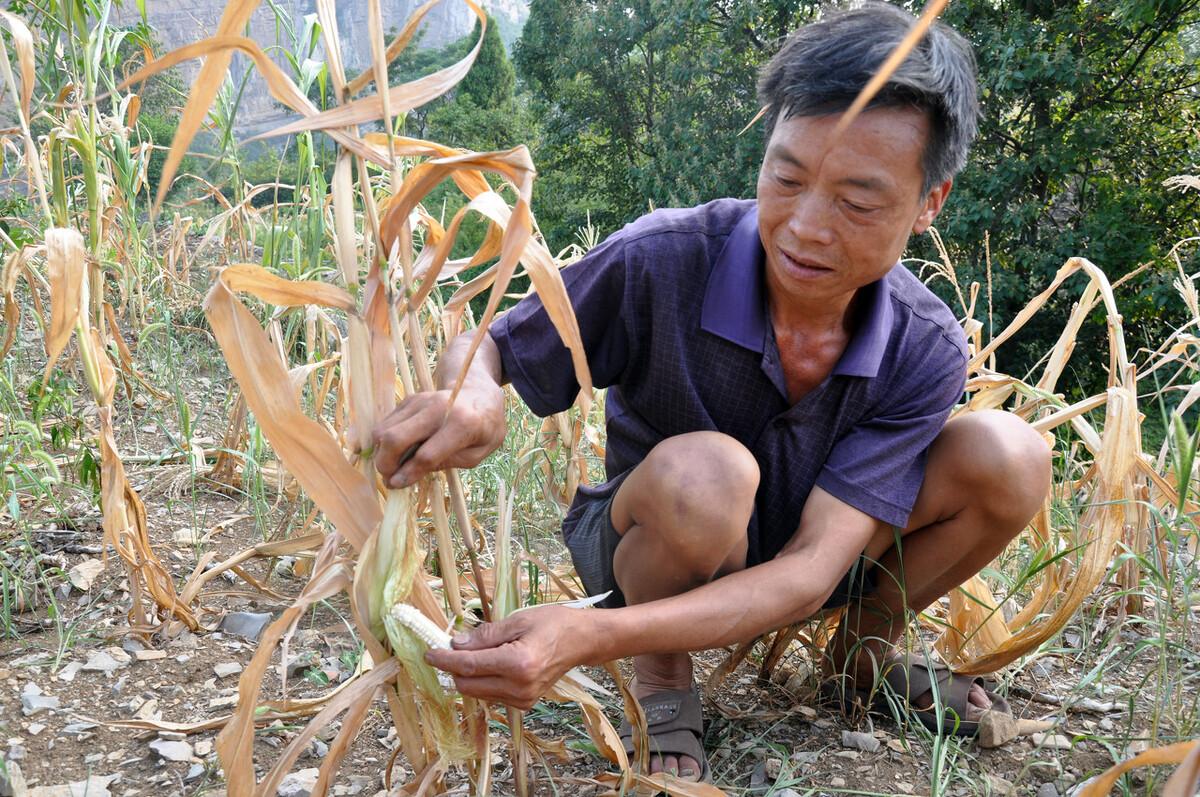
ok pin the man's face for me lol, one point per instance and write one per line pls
(835, 214)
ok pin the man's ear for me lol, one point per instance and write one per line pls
(932, 207)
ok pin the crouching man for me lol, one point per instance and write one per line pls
(778, 395)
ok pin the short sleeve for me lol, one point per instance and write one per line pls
(879, 465)
(533, 355)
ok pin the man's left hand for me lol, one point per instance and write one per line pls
(516, 660)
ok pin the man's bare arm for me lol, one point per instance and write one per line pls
(425, 433)
(519, 659)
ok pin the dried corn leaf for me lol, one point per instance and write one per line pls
(273, 289)
(22, 40)
(202, 92)
(1185, 753)
(401, 99)
(65, 265)
(306, 449)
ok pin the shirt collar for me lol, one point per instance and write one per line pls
(735, 306)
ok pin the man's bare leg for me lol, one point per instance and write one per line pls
(682, 516)
(987, 475)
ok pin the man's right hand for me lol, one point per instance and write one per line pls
(420, 436)
(424, 433)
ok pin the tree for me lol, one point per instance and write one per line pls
(1087, 108)
(642, 102)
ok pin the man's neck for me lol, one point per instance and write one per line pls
(823, 317)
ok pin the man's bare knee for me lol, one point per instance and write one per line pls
(697, 487)
(1001, 462)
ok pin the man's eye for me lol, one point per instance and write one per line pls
(787, 182)
(859, 208)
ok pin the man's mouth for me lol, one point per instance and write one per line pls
(803, 266)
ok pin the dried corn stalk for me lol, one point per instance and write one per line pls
(383, 304)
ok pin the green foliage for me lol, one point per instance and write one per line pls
(159, 131)
(642, 103)
(1088, 107)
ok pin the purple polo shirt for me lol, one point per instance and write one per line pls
(675, 324)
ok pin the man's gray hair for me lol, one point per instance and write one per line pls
(823, 66)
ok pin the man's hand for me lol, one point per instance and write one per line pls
(517, 660)
(420, 436)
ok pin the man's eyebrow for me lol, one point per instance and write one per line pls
(866, 183)
(783, 154)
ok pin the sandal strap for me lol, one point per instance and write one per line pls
(674, 723)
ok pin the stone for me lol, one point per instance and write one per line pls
(34, 728)
(102, 661)
(1046, 769)
(148, 710)
(1051, 741)
(758, 777)
(67, 674)
(248, 625)
(860, 741)
(299, 783)
(1047, 790)
(78, 727)
(1028, 727)
(227, 668)
(302, 661)
(194, 771)
(16, 752)
(83, 574)
(172, 751)
(12, 782)
(34, 701)
(805, 757)
(94, 786)
(997, 728)
(999, 787)
(149, 655)
(188, 537)
(773, 768)
(120, 655)
(203, 748)
(837, 782)
(172, 736)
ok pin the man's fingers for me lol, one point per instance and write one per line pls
(396, 438)
(492, 635)
(497, 690)
(432, 455)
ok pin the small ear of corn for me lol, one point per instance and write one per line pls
(425, 629)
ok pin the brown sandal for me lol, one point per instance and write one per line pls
(912, 681)
(675, 725)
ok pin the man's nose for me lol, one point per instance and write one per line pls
(811, 218)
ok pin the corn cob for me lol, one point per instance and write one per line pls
(425, 629)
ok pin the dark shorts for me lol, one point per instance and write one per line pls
(593, 540)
